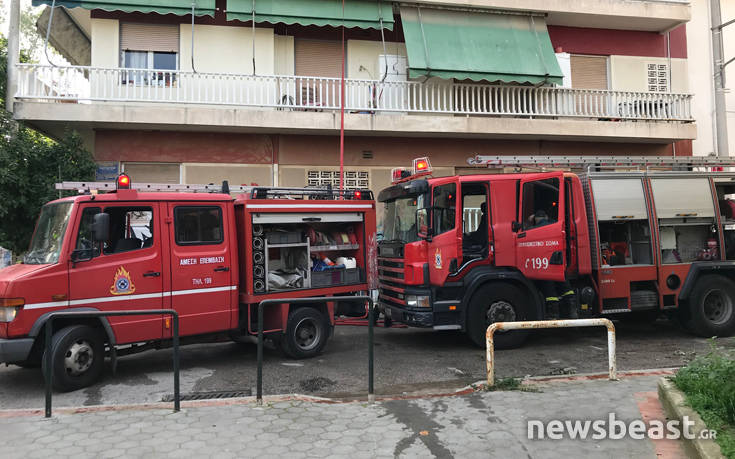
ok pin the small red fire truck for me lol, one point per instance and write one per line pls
(190, 248)
(628, 237)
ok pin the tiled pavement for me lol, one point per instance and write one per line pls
(479, 424)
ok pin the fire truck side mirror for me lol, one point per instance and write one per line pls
(101, 227)
(515, 226)
(423, 230)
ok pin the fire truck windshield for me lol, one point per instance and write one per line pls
(399, 220)
(46, 243)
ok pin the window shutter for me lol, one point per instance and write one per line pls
(589, 72)
(318, 58)
(149, 37)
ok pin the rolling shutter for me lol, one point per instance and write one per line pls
(318, 58)
(589, 72)
(149, 37)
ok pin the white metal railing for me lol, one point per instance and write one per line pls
(90, 84)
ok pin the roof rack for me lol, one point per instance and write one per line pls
(601, 161)
(255, 192)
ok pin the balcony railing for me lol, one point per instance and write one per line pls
(76, 84)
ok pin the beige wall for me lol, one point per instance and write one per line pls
(224, 49)
(728, 36)
(365, 53)
(699, 51)
(105, 43)
(283, 56)
(628, 73)
(235, 174)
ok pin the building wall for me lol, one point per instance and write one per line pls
(362, 57)
(628, 73)
(699, 47)
(728, 37)
(224, 49)
(105, 43)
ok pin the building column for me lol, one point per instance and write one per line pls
(13, 54)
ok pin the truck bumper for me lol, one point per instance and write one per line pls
(410, 317)
(15, 350)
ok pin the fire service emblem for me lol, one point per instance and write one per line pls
(122, 284)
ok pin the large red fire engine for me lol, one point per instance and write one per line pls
(629, 237)
(206, 255)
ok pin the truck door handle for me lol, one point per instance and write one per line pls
(221, 269)
(521, 235)
(152, 274)
(311, 219)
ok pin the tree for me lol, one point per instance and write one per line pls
(30, 164)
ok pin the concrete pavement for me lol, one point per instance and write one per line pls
(474, 424)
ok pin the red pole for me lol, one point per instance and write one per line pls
(342, 111)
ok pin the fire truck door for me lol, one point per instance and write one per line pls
(201, 281)
(445, 248)
(541, 239)
(125, 271)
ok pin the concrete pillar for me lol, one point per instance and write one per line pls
(719, 70)
(13, 53)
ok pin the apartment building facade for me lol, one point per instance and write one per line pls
(250, 91)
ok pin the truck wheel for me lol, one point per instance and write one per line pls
(498, 303)
(77, 357)
(306, 333)
(712, 307)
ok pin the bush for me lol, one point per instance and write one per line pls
(709, 385)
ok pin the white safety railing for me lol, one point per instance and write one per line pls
(92, 84)
(537, 324)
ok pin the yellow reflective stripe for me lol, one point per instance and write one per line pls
(552, 298)
(570, 292)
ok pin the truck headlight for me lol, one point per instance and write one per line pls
(9, 308)
(417, 301)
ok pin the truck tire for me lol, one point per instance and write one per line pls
(77, 357)
(712, 307)
(306, 334)
(498, 302)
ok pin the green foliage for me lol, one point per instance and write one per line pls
(30, 164)
(709, 385)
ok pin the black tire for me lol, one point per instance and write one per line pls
(306, 333)
(712, 307)
(77, 357)
(498, 302)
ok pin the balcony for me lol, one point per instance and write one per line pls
(118, 96)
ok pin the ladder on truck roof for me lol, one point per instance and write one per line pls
(255, 192)
(678, 162)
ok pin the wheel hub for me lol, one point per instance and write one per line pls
(500, 311)
(718, 307)
(78, 358)
(307, 334)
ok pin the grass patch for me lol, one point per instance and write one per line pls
(509, 384)
(709, 385)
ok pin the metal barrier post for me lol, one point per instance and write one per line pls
(48, 376)
(599, 322)
(262, 304)
(49, 365)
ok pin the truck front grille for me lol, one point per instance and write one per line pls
(391, 276)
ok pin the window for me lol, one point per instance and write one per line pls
(540, 203)
(444, 208)
(198, 225)
(131, 228)
(85, 241)
(145, 47)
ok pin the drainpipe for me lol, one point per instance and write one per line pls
(13, 54)
(719, 73)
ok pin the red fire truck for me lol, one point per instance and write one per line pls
(627, 237)
(190, 248)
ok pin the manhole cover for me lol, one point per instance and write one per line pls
(209, 395)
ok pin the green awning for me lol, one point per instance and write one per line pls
(512, 48)
(363, 14)
(179, 7)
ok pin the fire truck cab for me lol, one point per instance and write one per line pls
(463, 252)
(210, 257)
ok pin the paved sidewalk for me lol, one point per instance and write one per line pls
(478, 424)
